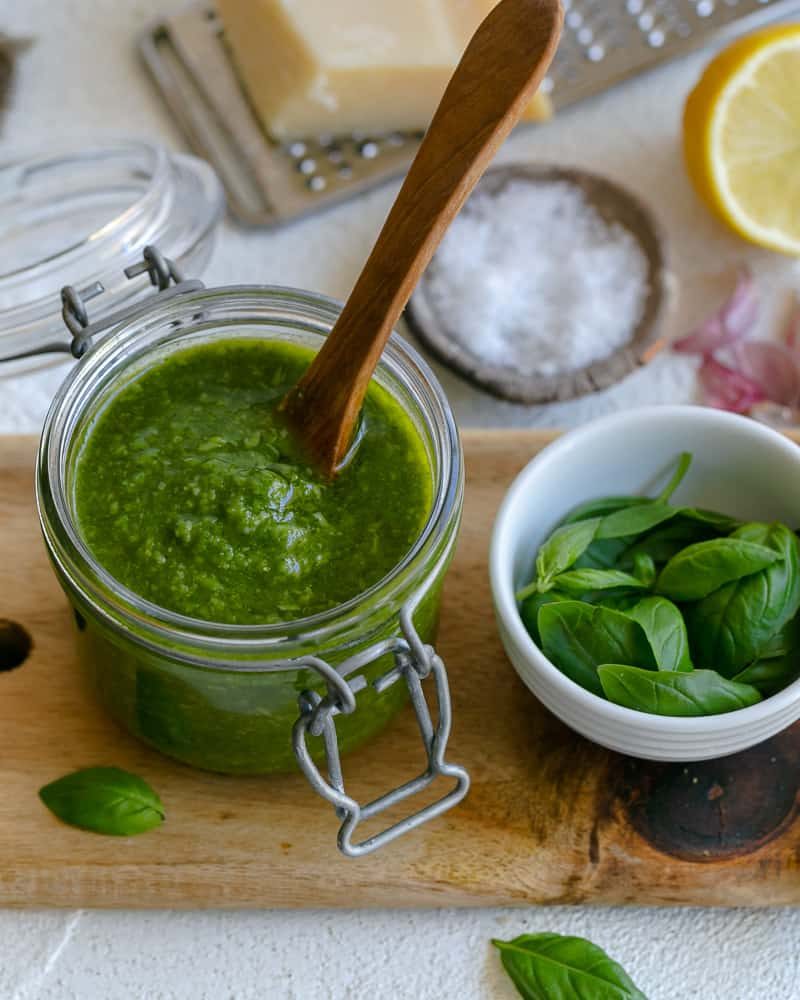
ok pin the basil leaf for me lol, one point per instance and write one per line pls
(702, 568)
(602, 554)
(698, 692)
(601, 507)
(644, 568)
(563, 547)
(711, 520)
(771, 675)
(577, 581)
(778, 663)
(787, 640)
(732, 626)
(614, 601)
(578, 637)
(635, 520)
(665, 629)
(557, 967)
(684, 461)
(529, 610)
(665, 541)
(105, 800)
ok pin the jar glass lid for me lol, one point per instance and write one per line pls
(79, 216)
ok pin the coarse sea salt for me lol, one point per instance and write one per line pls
(533, 279)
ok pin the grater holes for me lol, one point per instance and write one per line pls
(368, 149)
(307, 166)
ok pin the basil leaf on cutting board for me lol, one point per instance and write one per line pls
(700, 569)
(557, 967)
(104, 800)
(578, 581)
(579, 637)
(692, 693)
(563, 547)
(730, 628)
(665, 629)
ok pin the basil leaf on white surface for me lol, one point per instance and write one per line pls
(557, 967)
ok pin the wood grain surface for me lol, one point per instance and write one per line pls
(550, 818)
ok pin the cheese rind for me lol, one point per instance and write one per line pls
(317, 66)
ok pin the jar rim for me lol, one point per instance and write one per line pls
(117, 602)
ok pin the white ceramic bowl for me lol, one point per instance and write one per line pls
(739, 467)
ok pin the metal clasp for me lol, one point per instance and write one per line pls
(414, 662)
(162, 273)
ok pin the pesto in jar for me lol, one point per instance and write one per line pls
(191, 491)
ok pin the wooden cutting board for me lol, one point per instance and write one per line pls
(550, 817)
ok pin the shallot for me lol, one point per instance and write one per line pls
(738, 374)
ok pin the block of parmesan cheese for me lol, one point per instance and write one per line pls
(337, 66)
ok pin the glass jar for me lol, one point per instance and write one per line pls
(81, 215)
(256, 699)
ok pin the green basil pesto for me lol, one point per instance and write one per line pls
(191, 491)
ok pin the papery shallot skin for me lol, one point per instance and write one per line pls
(773, 366)
(791, 335)
(728, 389)
(729, 324)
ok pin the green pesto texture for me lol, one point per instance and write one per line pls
(228, 721)
(192, 492)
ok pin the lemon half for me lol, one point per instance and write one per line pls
(741, 133)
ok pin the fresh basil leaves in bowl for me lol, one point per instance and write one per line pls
(646, 580)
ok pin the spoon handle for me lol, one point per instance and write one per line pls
(499, 72)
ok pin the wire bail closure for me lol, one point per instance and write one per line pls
(414, 662)
(162, 272)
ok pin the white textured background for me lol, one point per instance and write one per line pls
(83, 75)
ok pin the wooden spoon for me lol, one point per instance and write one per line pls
(498, 74)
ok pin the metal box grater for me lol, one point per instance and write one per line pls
(268, 184)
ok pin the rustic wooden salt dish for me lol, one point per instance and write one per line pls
(497, 76)
(614, 204)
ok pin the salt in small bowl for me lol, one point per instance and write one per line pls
(438, 328)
